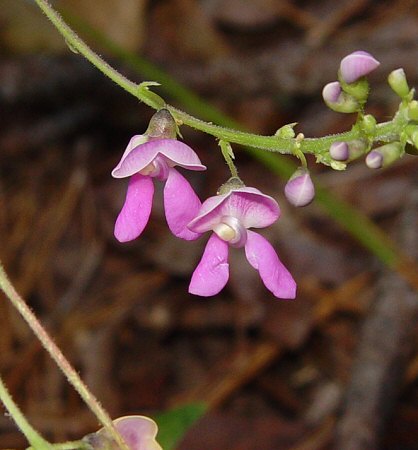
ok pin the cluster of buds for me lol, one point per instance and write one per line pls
(349, 95)
(229, 215)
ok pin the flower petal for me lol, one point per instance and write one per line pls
(175, 151)
(181, 205)
(138, 432)
(135, 141)
(356, 65)
(248, 205)
(212, 272)
(136, 210)
(262, 256)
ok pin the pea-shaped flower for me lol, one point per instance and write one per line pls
(145, 159)
(138, 432)
(230, 215)
(356, 65)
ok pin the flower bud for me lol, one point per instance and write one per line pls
(356, 148)
(384, 156)
(299, 190)
(374, 160)
(413, 110)
(339, 151)
(337, 100)
(162, 125)
(356, 65)
(397, 81)
(368, 124)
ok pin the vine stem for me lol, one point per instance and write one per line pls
(56, 354)
(384, 131)
(34, 438)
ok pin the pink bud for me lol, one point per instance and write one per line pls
(374, 160)
(339, 151)
(299, 190)
(337, 100)
(331, 92)
(357, 65)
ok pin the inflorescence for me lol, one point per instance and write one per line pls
(236, 208)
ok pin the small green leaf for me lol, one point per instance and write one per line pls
(173, 424)
(286, 131)
(154, 99)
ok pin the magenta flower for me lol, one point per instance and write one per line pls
(143, 160)
(230, 216)
(138, 432)
(356, 65)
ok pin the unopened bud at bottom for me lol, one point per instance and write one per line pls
(299, 190)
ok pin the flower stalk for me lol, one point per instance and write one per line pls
(274, 143)
(36, 441)
(56, 354)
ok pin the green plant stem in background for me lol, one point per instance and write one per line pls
(271, 143)
(56, 354)
(36, 441)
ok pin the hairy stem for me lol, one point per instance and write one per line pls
(36, 441)
(56, 354)
(270, 143)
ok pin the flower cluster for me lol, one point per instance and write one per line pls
(229, 215)
(349, 94)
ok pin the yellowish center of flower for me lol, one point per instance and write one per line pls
(225, 232)
(148, 170)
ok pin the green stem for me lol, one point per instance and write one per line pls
(270, 143)
(56, 354)
(34, 438)
(228, 155)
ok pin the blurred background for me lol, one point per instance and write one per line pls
(335, 369)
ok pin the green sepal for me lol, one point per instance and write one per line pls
(359, 89)
(368, 125)
(286, 131)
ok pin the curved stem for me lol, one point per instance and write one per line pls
(34, 438)
(270, 143)
(56, 354)
(228, 155)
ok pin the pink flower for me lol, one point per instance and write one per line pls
(356, 65)
(138, 432)
(230, 216)
(146, 158)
